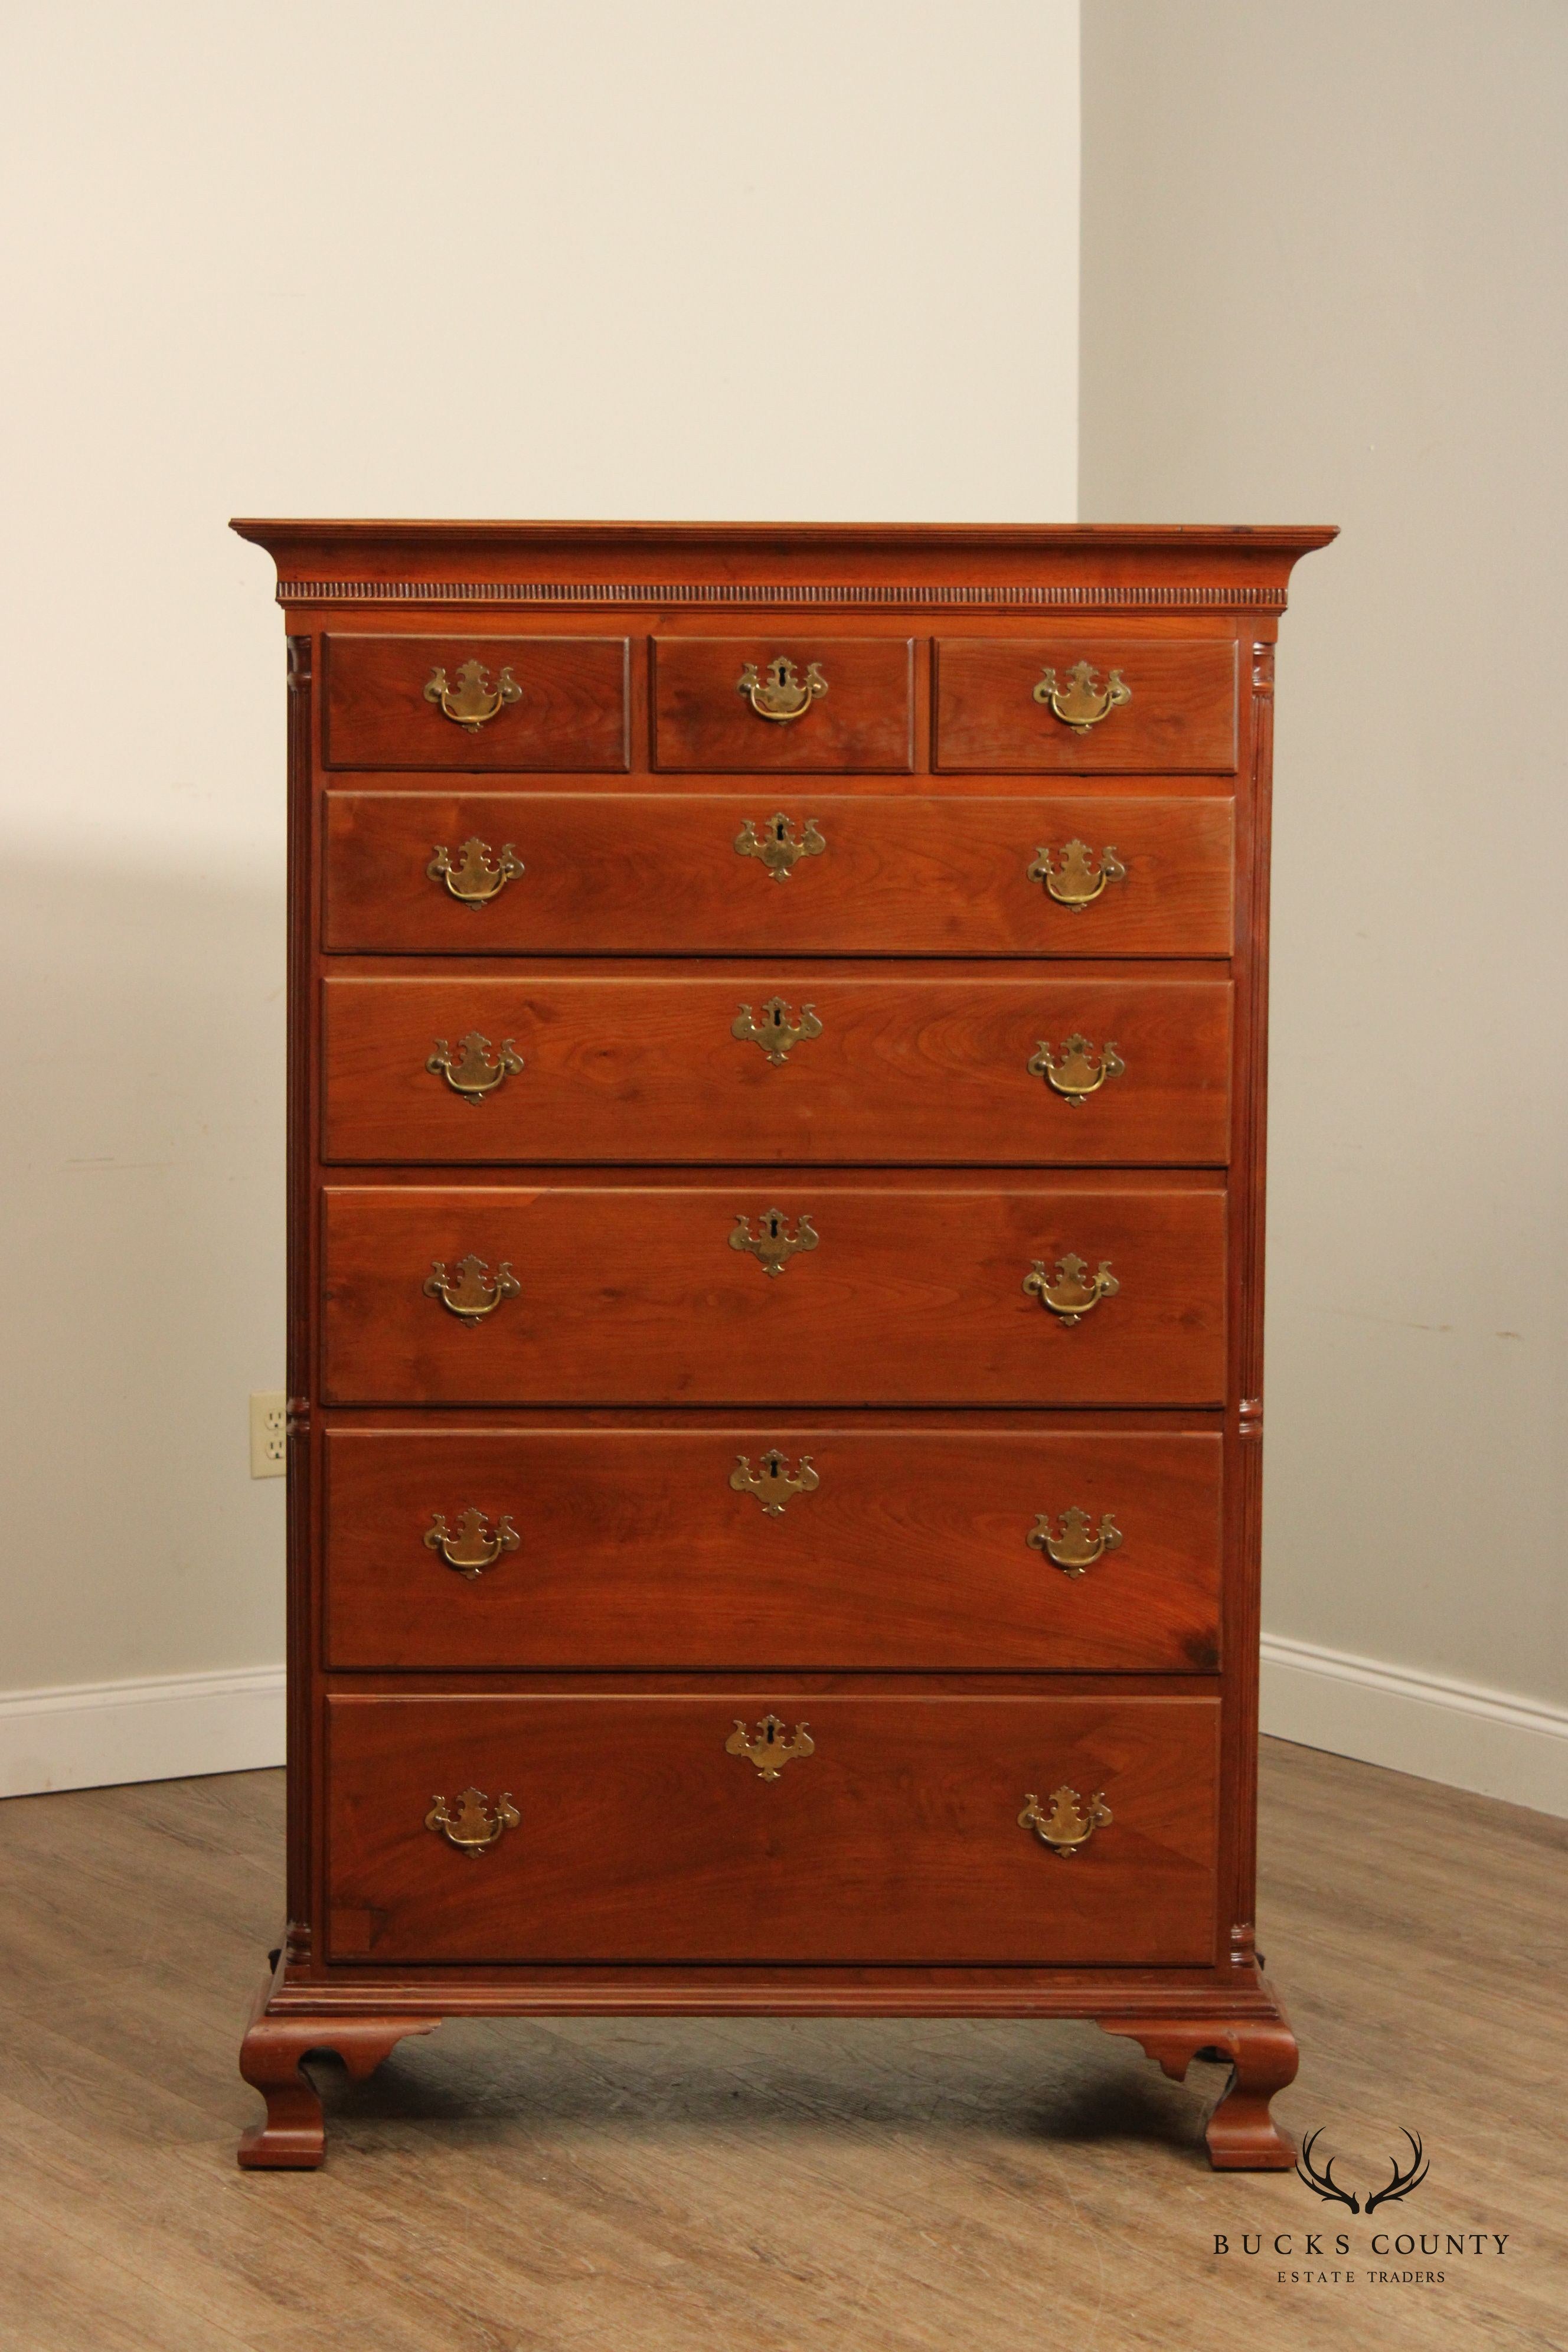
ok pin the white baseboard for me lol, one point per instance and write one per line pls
(1429, 1725)
(93, 1735)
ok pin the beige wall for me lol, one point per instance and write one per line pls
(523, 257)
(1323, 269)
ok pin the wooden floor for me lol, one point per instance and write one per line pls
(628, 2186)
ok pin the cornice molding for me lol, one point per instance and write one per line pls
(745, 593)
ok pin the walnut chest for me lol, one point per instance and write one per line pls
(776, 1191)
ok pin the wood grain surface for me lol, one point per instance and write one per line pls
(635, 1551)
(793, 2184)
(647, 873)
(635, 1294)
(906, 1068)
(897, 1839)
(865, 720)
(572, 711)
(1182, 714)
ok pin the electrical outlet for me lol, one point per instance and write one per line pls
(268, 1434)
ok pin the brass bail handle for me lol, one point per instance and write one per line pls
(1067, 1821)
(777, 693)
(1082, 703)
(1078, 1544)
(476, 1068)
(470, 1547)
(1074, 1072)
(471, 1827)
(477, 874)
(474, 1293)
(1079, 878)
(1074, 1292)
(473, 702)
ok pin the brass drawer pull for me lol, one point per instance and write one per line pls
(1074, 1550)
(473, 1296)
(472, 1549)
(471, 1071)
(778, 848)
(472, 702)
(770, 1245)
(769, 1751)
(477, 876)
(1069, 1823)
(775, 1033)
(778, 694)
(1070, 1297)
(771, 1483)
(1074, 1072)
(1080, 704)
(470, 1829)
(1076, 883)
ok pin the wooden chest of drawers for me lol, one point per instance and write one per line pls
(776, 1177)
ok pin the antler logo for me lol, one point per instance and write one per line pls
(1325, 2186)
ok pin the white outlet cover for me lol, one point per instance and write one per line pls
(268, 1434)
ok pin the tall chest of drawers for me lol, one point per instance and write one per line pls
(777, 1029)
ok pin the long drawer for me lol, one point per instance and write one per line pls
(453, 872)
(773, 1543)
(768, 1291)
(946, 1070)
(676, 1827)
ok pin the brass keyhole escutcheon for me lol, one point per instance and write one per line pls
(470, 1547)
(775, 846)
(1081, 704)
(771, 1242)
(475, 1294)
(472, 1827)
(772, 1482)
(476, 1068)
(775, 1033)
(1079, 878)
(1067, 1822)
(1074, 1292)
(474, 877)
(473, 702)
(1074, 1072)
(776, 692)
(1078, 1544)
(770, 1750)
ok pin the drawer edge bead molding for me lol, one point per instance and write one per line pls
(955, 1806)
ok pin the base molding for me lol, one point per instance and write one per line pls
(1431, 1725)
(153, 1727)
(1174, 2021)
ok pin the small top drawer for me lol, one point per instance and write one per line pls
(478, 703)
(792, 705)
(1082, 705)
